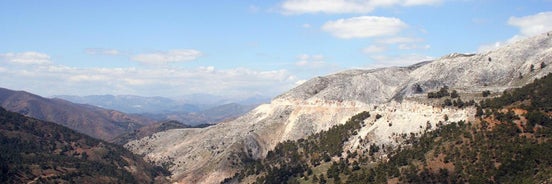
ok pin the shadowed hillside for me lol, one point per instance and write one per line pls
(36, 151)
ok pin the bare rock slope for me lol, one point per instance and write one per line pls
(211, 154)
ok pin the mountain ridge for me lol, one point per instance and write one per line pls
(397, 95)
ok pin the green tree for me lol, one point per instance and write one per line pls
(486, 93)
(479, 111)
(454, 94)
(84, 155)
(447, 102)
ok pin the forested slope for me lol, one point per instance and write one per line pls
(32, 150)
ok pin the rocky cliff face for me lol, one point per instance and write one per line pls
(398, 94)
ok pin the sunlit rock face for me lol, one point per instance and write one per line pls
(398, 94)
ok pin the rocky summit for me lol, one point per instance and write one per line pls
(397, 98)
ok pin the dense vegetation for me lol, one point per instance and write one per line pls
(534, 96)
(454, 100)
(443, 92)
(36, 151)
(509, 143)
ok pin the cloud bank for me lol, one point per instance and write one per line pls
(26, 58)
(102, 51)
(164, 57)
(33, 71)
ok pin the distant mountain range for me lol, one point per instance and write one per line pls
(191, 110)
(108, 116)
(161, 105)
(94, 121)
(133, 104)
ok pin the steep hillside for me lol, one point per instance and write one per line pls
(96, 122)
(34, 151)
(509, 143)
(397, 96)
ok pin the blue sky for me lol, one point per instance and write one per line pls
(239, 48)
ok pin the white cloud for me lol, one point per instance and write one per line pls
(364, 27)
(402, 43)
(420, 2)
(397, 40)
(136, 82)
(405, 46)
(398, 60)
(528, 26)
(313, 61)
(102, 51)
(345, 6)
(306, 26)
(208, 69)
(374, 49)
(326, 6)
(177, 55)
(533, 24)
(26, 58)
(305, 57)
(84, 78)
